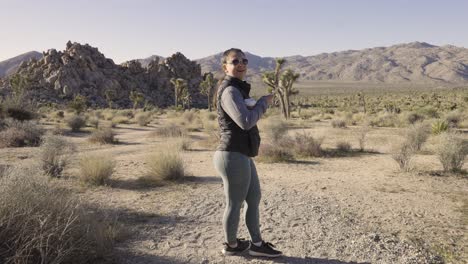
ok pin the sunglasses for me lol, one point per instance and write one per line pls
(235, 62)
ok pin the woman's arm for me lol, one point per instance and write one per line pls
(233, 104)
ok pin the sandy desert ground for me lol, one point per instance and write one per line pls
(357, 208)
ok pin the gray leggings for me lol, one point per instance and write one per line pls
(240, 184)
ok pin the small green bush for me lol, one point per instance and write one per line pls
(439, 126)
(452, 150)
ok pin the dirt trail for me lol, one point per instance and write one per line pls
(340, 210)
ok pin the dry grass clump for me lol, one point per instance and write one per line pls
(453, 118)
(20, 134)
(103, 136)
(96, 169)
(417, 135)
(120, 120)
(164, 166)
(143, 118)
(338, 123)
(452, 150)
(184, 144)
(212, 141)
(305, 145)
(93, 121)
(413, 117)
(76, 122)
(362, 136)
(54, 154)
(171, 130)
(43, 223)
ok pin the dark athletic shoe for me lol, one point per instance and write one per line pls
(265, 250)
(242, 245)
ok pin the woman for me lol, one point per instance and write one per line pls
(239, 142)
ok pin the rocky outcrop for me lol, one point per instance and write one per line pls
(81, 69)
(8, 67)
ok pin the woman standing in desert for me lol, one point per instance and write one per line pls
(237, 117)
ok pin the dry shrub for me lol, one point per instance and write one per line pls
(269, 153)
(20, 134)
(76, 122)
(304, 144)
(93, 122)
(338, 123)
(96, 169)
(413, 117)
(453, 118)
(362, 134)
(143, 118)
(103, 136)
(121, 120)
(19, 112)
(276, 129)
(343, 147)
(417, 135)
(43, 223)
(170, 130)
(403, 155)
(54, 154)
(164, 166)
(452, 150)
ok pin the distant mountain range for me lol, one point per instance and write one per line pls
(417, 62)
(10, 66)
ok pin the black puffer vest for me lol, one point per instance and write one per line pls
(233, 138)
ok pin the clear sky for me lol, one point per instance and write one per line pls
(131, 29)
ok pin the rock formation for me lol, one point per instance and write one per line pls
(81, 69)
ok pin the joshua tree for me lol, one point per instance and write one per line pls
(180, 90)
(207, 87)
(110, 95)
(281, 85)
(78, 103)
(136, 98)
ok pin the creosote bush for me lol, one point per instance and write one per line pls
(417, 135)
(403, 155)
(343, 147)
(451, 151)
(164, 166)
(96, 169)
(76, 123)
(54, 154)
(41, 222)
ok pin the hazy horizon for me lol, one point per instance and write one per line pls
(124, 30)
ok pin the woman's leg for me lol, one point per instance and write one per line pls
(253, 201)
(235, 170)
